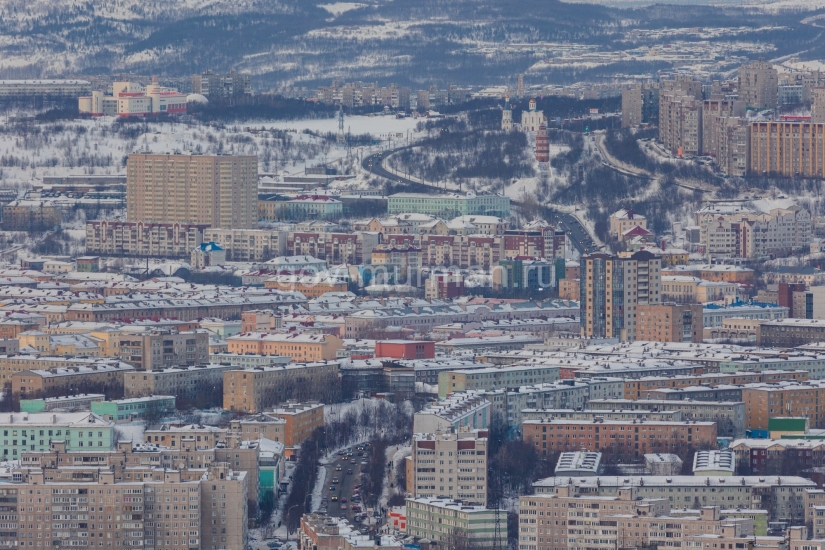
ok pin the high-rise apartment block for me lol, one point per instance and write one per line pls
(219, 191)
(612, 289)
(640, 104)
(818, 105)
(222, 86)
(787, 149)
(758, 85)
(680, 116)
(449, 465)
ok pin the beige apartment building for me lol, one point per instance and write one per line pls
(759, 85)
(187, 384)
(256, 390)
(218, 191)
(680, 116)
(670, 323)
(640, 104)
(248, 245)
(120, 238)
(163, 349)
(566, 520)
(201, 509)
(450, 465)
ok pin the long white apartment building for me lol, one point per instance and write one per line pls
(782, 496)
(765, 227)
(54, 88)
(509, 404)
(570, 520)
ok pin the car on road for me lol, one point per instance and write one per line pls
(332, 487)
(352, 461)
(335, 480)
(349, 471)
(344, 499)
(338, 468)
(343, 507)
(334, 498)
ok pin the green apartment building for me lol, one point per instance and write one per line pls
(125, 410)
(35, 431)
(450, 205)
(437, 520)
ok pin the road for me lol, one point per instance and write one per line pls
(345, 486)
(578, 236)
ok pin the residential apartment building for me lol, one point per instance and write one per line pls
(216, 86)
(510, 403)
(570, 520)
(144, 239)
(640, 104)
(334, 248)
(256, 390)
(729, 417)
(449, 205)
(451, 465)
(301, 419)
(732, 145)
(151, 350)
(638, 389)
(470, 411)
(628, 438)
(803, 399)
(131, 509)
(299, 208)
(758, 85)
(680, 116)
(767, 228)
(30, 215)
(195, 384)
(218, 191)
(248, 245)
(789, 333)
(787, 149)
(102, 377)
(437, 519)
(670, 323)
(494, 378)
(783, 497)
(612, 289)
(301, 347)
(36, 431)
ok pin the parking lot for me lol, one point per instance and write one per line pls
(342, 486)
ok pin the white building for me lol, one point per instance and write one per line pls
(578, 464)
(466, 410)
(714, 463)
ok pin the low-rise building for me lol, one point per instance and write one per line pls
(495, 378)
(437, 519)
(152, 407)
(578, 464)
(714, 463)
(36, 431)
